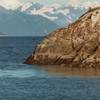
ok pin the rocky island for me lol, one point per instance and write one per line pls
(77, 45)
(2, 34)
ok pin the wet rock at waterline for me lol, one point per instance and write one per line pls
(77, 45)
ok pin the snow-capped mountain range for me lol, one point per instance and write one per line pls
(55, 12)
(36, 18)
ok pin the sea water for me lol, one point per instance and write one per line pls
(20, 81)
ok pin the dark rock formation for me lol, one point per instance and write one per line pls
(77, 45)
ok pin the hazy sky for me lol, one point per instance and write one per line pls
(60, 1)
(47, 1)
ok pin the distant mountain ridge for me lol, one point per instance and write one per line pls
(61, 15)
(36, 19)
(15, 22)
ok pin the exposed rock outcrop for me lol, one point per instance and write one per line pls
(77, 45)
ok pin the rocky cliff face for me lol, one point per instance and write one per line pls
(77, 45)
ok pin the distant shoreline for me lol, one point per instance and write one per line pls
(22, 36)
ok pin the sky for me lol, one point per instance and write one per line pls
(60, 1)
(75, 3)
(13, 4)
(47, 1)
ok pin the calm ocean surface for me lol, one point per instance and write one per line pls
(19, 81)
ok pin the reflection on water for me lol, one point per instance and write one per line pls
(25, 82)
(24, 73)
(14, 51)
(65, 71)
